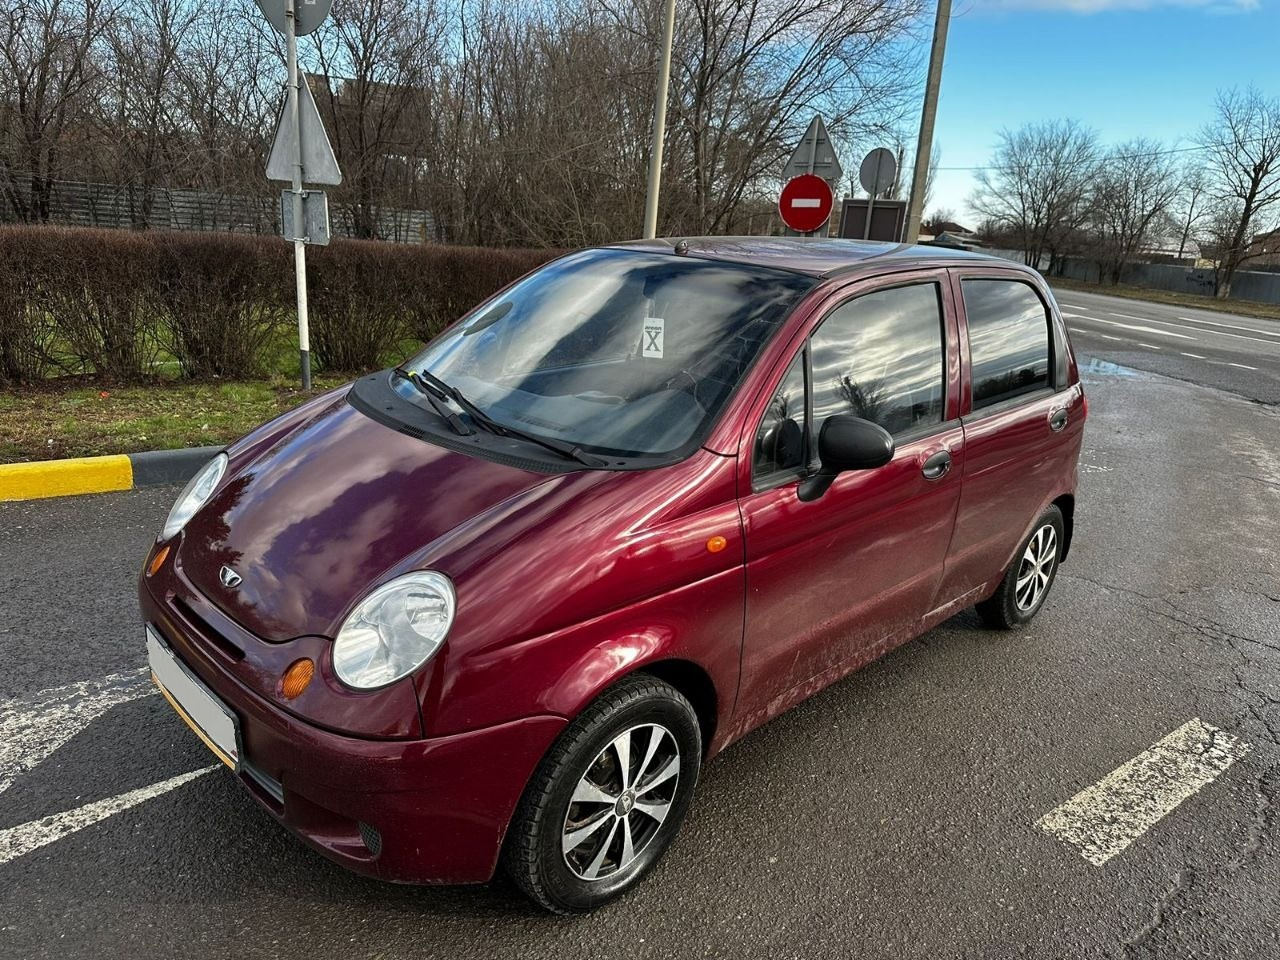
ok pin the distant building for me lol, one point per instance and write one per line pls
(948, 234)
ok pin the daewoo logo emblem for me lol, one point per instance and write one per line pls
(229, 577)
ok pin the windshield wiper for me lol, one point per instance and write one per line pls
(437, 405)
(572, 451)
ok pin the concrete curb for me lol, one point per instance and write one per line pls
(65, 478)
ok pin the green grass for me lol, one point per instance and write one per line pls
(80, 417)
(1243, 308)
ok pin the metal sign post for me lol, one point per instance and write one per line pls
(876, 174)
(301, 154)
(299, 245)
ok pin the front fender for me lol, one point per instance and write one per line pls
(561, 673)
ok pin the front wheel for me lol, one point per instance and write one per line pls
(608, 798)
(1022, 592)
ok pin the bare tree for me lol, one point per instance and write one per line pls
(937, 220)
(1243, 144)
(1191, 205)
(748, 75)
(1134, 187)
(50, 59)
(1036, 190)
(141, 114)
(377, 59)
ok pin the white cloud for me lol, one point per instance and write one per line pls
(1101, 6)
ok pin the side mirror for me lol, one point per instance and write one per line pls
(846, 443)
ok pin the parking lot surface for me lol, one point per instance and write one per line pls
(904, 812)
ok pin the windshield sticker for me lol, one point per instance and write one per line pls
(654, 330)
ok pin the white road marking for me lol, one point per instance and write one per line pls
(1193, 356)
(22, 839)
(1231, 326)
(1130, 326)
(1127, 316)
(1105, 818)
(1107, 336)
(1149, 346)
(33, 727)
(1242, 366)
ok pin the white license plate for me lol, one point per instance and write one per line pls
(209, 717)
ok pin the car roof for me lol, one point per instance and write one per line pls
(815, 256)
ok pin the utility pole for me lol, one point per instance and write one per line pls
(659, 125)
(924, 146)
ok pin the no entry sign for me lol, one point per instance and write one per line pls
(805, 203)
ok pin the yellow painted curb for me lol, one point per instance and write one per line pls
(63, 478)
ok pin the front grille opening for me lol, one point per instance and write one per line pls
(371, 837)
(207, 631)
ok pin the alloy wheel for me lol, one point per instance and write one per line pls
(620, 802)
(1036, 568)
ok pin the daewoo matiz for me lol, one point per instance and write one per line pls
(498, 605)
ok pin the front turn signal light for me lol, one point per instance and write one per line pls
(157, 561)
(296, 678)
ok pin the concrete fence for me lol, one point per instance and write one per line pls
(1255, 285)
(84, 203)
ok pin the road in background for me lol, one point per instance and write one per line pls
(1223, 350)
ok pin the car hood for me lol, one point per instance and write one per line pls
(337, 505)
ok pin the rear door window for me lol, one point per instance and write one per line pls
(1008, 340)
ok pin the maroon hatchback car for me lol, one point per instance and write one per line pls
(497, 606)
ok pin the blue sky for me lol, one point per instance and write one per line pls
(1126, 68)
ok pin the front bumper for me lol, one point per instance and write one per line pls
(413, 811)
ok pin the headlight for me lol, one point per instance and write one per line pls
(194, 495)
(394, 630)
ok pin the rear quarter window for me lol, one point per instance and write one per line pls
(1009, 341)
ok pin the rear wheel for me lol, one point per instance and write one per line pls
(608, 798)
(1022, 592)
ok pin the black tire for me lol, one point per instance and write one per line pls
(1003, 611)
(533, 855)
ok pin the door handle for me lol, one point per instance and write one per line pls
(937, 466)
(1058, 419)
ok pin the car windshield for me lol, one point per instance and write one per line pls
(623, 352)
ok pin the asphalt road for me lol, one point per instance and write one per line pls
(894, 815)
(1234, 353)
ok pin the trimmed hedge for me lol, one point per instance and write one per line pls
(112, 302)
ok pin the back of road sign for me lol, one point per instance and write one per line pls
(319, 165)
(308, 14)
(814, 154)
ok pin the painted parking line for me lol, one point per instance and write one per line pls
(1102, 820)
(33, 727)
(22, 839)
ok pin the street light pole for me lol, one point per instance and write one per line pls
(924, 146)
(659, 125)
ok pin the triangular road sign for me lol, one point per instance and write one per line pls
(815, 145)
(319, 165)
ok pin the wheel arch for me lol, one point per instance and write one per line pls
(696, 686)
(1066, 503)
